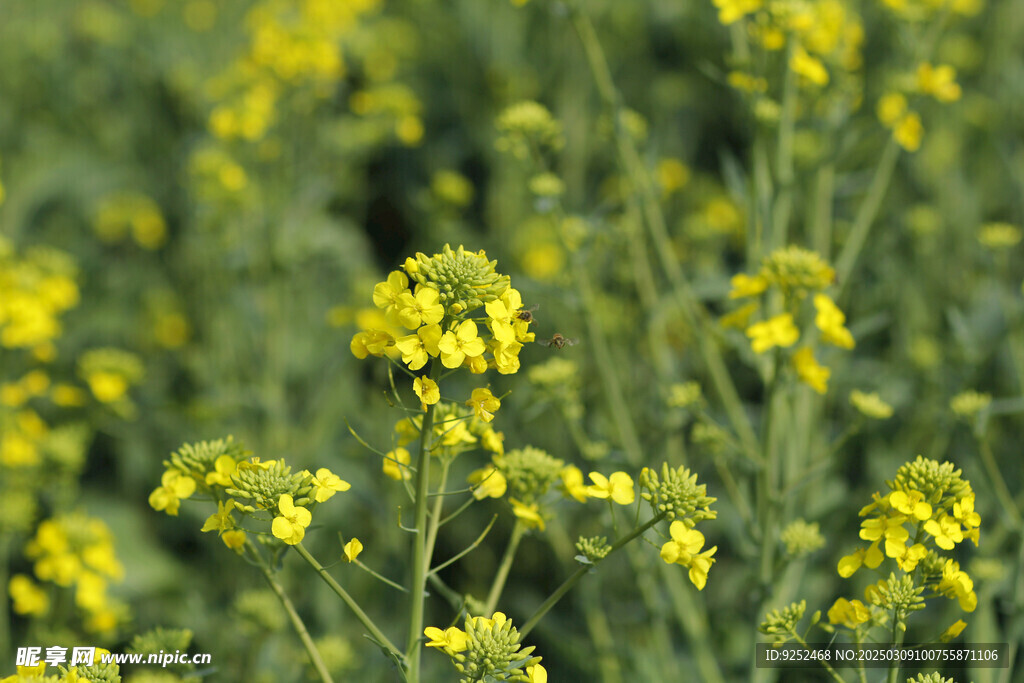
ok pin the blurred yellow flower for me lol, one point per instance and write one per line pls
(809, 371)
(777, 331)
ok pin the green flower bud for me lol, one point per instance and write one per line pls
(802, 538)
(198, 459)
(593, 549)
(464, 280)
(780, 623)
(493, 651)
(259, 486)
(677, 494)
(935, 481)
(529, 472)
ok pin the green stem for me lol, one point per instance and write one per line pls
(655, 220)
(866, 214)
(821, 216)
(588, 600)
(783, 208)
(999, 484)
(897, 640)
(363, 618)
(420, 559)
(293, 616)
(506, 564)
(578, 574)
(832, 672)
(435, 515)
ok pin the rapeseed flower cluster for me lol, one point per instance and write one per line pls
(487, 649)
(72, 551)
(822, 35)
(927, 512)
(895, 113)
(266, 491)
(796, 274)
(676, 495)
(38, 286)
(97, 672)
(434, 296)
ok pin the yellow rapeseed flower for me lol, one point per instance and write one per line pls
(352, 549)
(427, 391)
(618, 487)
(777, 331)
(396, 464)
(809, 371)
(484, 404)
(830, 320)
(290, 525)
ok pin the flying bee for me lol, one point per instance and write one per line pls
(558, 341)
(526, 314)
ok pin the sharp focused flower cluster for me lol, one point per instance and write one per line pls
(488, 649)
(795, 273)
(676, 494)
(260, 490)
(928, 511)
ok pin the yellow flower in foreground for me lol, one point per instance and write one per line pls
(422, 308)
(537, 674)
(489, 483)
(457, 345)
(618, 487)
(385, 294)
(870, 558)
(396, 464)
(484, 404)
(290, 527)
(427, 391)
(684, 549)
(223, 468)
(911, 503)
(173, 487)
(946, 530)
(777, 331)
(352, 549)
(327, 484)
(416, 349)
(370, 342)
(809, 371)
(452, 639)
(849, 613)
